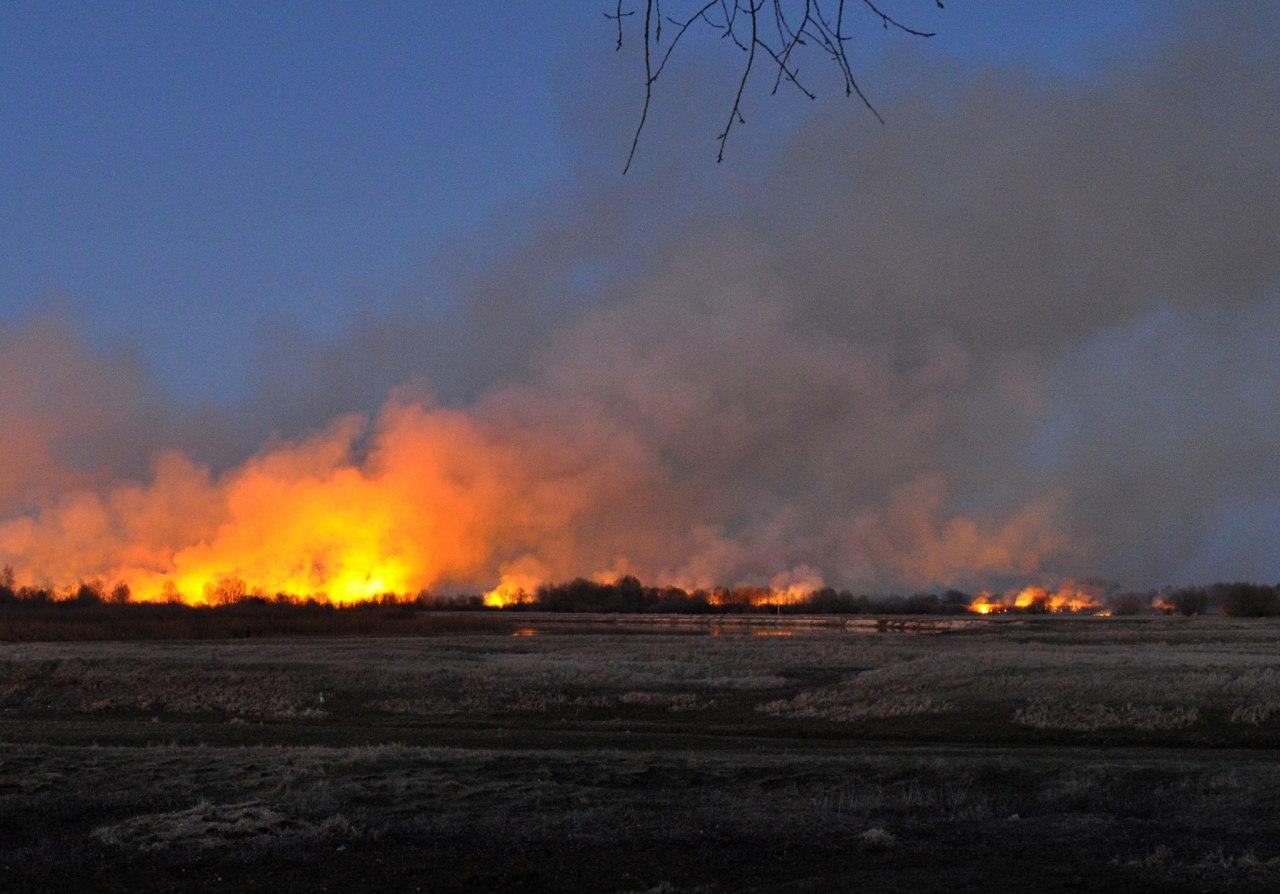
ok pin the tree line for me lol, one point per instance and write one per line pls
(628, 595)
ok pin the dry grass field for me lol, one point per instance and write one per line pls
(545, 753)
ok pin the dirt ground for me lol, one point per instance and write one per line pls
(594, 754)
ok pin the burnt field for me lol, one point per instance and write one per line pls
(531, 752)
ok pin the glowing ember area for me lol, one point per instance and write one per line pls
(744, 597)
(520, 581)
(1068, 598)
(506, 595)
(787, 588)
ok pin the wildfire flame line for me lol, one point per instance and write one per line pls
(1068, 598)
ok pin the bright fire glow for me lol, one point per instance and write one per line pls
(304, 519)
(491, 499)
(1068, 598)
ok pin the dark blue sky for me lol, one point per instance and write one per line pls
(180, 176)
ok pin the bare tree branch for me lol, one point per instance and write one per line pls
(648, 86)
(651, 74)
(887, 21)
(618, 15)
(819, 24)
(735, 113)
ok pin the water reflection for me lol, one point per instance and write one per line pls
(677, 625)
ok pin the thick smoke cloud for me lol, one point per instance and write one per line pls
(70, 419)
(1026, 332)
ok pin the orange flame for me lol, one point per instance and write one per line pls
(1068, 598)
(440, 499)
(303, 519)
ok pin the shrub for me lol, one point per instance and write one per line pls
(956, 602)
(829, 602)
(227, 591)
(1189, 600)
(1128, 603)
(88, 593)
(922, 604)
(1242, 600)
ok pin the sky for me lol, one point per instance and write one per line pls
(354, 298)
(190, 179)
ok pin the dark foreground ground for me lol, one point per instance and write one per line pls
(545, 754)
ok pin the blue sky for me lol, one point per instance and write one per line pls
(184, 177)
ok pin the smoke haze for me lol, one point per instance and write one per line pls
(1025, 332)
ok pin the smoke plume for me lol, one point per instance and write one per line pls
(1025, 332)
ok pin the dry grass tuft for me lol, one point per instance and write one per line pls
(1255, 713)
(877, 837)
(1048, 714)
(249, 824)
(843, 706)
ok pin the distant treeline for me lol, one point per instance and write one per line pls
(629, 595)
(1235, 600)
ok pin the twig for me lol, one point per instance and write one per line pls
(820, 26)
(619, 15)
(735, 113)
(648, 87)
(887, 20)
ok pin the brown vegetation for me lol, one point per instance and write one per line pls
(672, 754)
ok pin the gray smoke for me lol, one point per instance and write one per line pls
(1026, 331)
